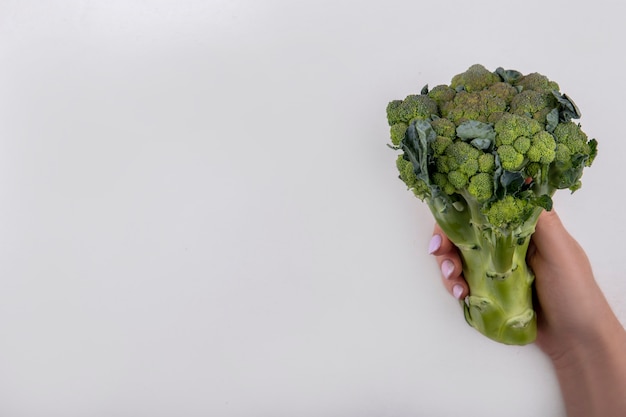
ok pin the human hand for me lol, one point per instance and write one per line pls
(576, 327)
(571, 309)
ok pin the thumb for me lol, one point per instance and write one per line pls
(552, 246)
(550, 236)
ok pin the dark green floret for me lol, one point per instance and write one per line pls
(444, 127)
(476, 78)
(486, 153)
(411, 108)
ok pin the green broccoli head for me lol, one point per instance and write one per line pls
(486, 153)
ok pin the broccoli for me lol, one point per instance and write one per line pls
(487, 153)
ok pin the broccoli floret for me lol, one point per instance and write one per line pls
(479, 105)
(481, 187)
(573, 152)
(476, 78)
(441, 181)
(510, 158)
(440, 144)
(444, 127)
(486, 153)
(397, 132)
(411, 108)
(562, 154)
(442, 94)
(407, 174)
(534, 104)
(463, 157)
(503, 91)
(542, 148)
(509, 213)
(572, 136)
(522, 144)
(458, 179)
(486, 163)
(442, 164)
(512, 126)
(537, 82)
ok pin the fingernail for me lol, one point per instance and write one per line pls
(457, 291)
(435, 243)
(447, 268)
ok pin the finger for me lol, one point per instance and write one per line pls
(446, 253)
(450, 267)
(456, 286)
(449, 262)
(439, 243)
(452, 276)
(459, 290)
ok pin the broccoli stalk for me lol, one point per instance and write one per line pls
(494, 266)
(486, 153)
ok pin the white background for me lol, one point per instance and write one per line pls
(199, 215)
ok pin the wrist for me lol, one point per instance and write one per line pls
(592, 373)
(603, 341)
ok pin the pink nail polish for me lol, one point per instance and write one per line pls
(435, 243)
(457, 291)
(447, 268)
